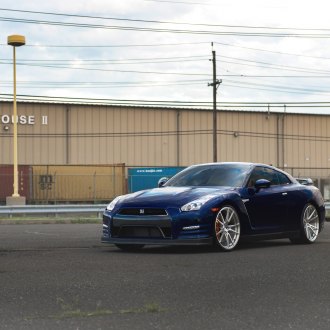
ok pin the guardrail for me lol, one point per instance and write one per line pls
(52, 209)
(73, 209)
(327, 211)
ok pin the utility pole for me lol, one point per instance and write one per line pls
(215, 84)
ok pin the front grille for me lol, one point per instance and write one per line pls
(141, 232)
(142, 211)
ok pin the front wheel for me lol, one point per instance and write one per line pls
(310, 225)
(227, 228)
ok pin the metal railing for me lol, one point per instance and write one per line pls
(96, 209)
(73, 209)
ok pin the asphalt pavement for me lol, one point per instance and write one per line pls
(59, 276)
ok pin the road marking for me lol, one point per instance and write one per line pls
(42, 234)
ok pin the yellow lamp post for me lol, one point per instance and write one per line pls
(15, 199)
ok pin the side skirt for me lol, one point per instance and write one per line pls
(277, 235)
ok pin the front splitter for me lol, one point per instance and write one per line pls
(155, 241)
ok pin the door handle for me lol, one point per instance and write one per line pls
(284, 194)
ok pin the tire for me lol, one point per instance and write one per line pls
(227, 228)
(310, 226)
(130, 247)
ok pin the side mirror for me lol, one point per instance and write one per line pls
(261, 183)
(305, 181)
(162, 181)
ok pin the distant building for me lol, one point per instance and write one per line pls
(81, 134)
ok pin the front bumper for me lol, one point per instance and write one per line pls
(156, 241)
(174, 228)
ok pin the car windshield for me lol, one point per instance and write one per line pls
(228, 175)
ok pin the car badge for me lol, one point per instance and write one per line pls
(141, 211)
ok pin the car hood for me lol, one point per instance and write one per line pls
(170, 196)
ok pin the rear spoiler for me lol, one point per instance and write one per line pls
(305, 181)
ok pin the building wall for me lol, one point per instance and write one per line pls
(37, 143)
(64, 134)
(248, 137)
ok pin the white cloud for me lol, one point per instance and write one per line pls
(238, 56)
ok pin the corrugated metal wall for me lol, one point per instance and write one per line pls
(37, 143)
(250, 137)
(307, 143)
(95, 134)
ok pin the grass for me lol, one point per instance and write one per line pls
(79, 313)
(69, 312)
(40, 219)
(148, 308)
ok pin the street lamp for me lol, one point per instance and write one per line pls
(15, 199)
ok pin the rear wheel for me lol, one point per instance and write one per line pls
(130, 247)
(227, 228)
(310, 225)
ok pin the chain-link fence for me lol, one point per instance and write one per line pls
(64, 184)
(99, 184)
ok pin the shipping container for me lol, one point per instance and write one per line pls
(72, 183)
(7, 181)
(147, 177)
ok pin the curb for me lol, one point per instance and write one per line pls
(49, 221)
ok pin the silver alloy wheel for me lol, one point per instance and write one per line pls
(311, 223)
(227, 228)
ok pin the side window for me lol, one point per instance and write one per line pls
(271, 176)
(283, 179)
(264, 173)
(256, 174)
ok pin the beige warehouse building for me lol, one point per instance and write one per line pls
(91, 134)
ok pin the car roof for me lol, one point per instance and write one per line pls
(248, 164)
(227, 163)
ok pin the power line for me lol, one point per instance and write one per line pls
(118, 45)
(114, 70)
(174, 59)
(274, 66)
(80, 100)
(143, 84)
(173, 44)
(272, 51)
(61, 63)
(242, 133)
(162, 22)
(222, 105)
(43, 82)
(106, 85)
(81, 61)
(182, 2)
(167, 30)
(276, 76)
(279, 88)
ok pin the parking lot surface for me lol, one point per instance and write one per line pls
(59, 276)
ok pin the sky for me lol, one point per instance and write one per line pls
(161, 50)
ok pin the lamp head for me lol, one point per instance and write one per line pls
(16, 40)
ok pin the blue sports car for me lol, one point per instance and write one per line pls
(217, 203)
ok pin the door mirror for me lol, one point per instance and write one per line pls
(261, 183)
(162, 181)
(305, 181)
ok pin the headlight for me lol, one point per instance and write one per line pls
(112, 205)
(196, 204)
